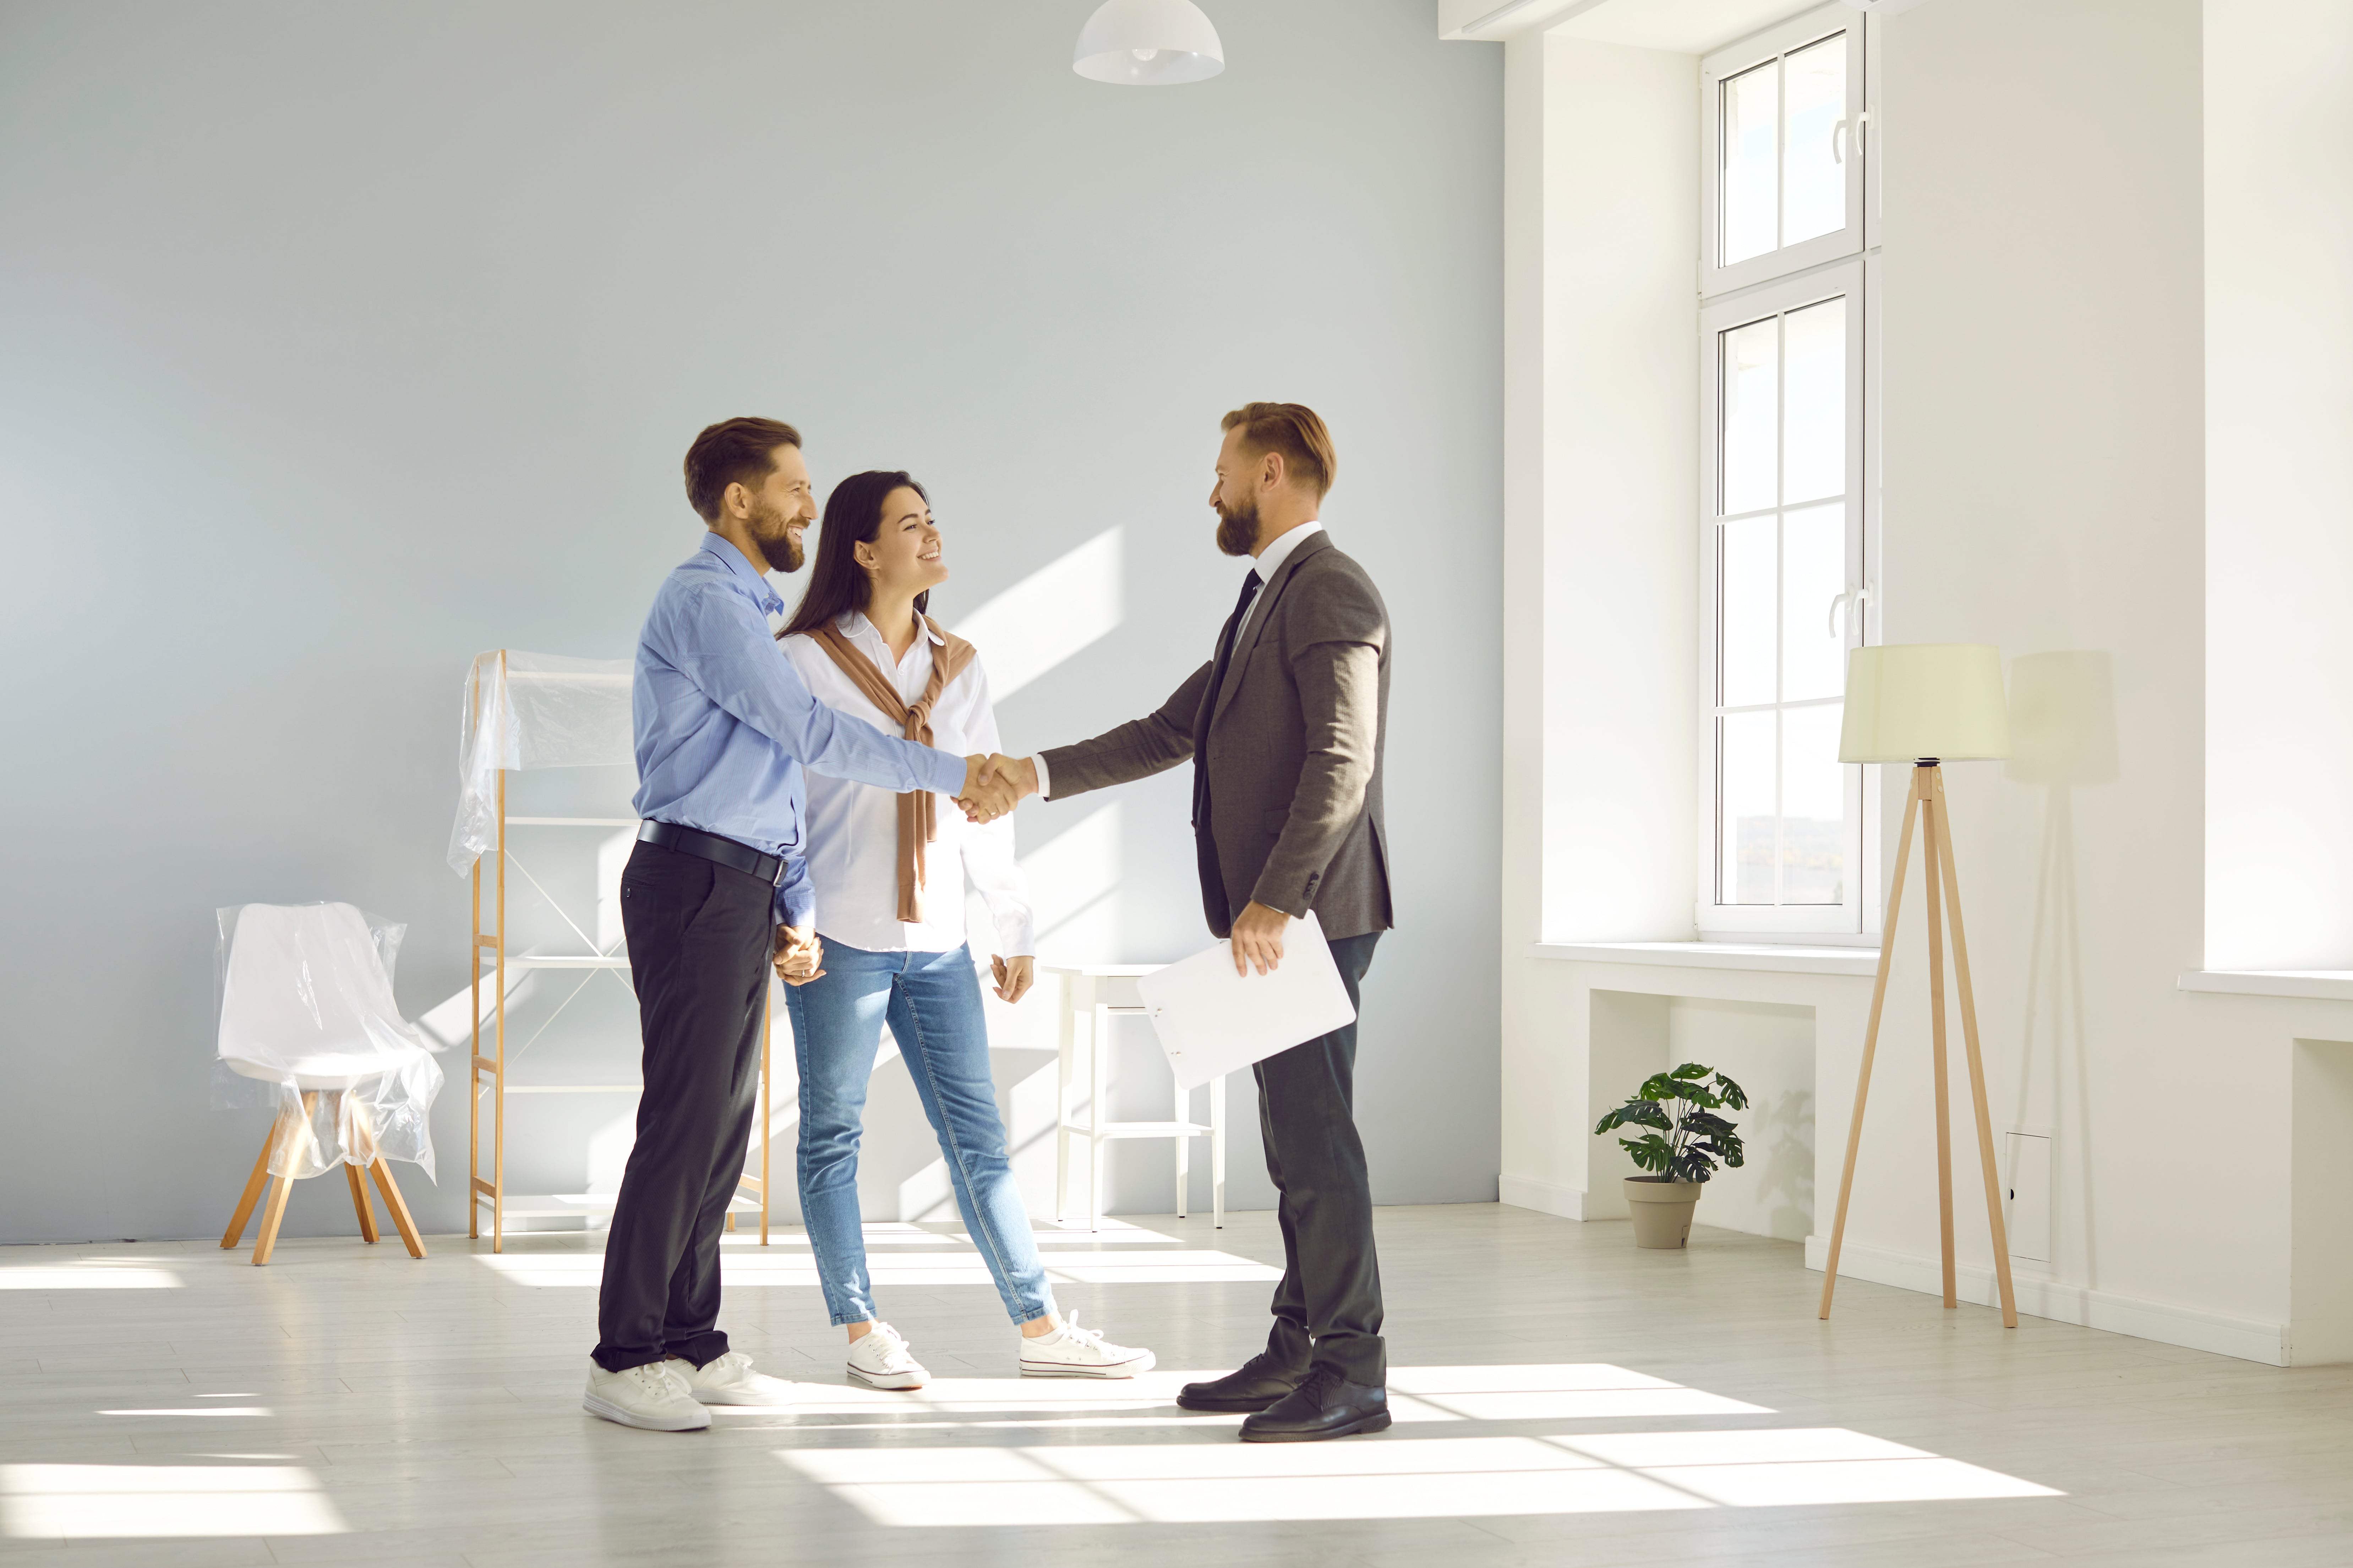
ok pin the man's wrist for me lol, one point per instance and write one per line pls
(1041, 776)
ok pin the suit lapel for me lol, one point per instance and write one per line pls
(1261, 610)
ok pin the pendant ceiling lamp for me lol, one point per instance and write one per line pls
(1148, 43)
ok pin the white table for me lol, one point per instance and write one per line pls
(1092, 995)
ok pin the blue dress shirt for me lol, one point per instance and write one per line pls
(725, 724)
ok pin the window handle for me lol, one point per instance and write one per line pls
(1839, 136)
(1853, 600)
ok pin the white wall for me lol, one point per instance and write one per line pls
(2279, 482)
(2048, 421)
(345, 341)
(1601, 215)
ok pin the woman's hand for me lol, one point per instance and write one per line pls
(1014, 977)
(798, 954)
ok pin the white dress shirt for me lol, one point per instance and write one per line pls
(853, 829)
(1270, 561)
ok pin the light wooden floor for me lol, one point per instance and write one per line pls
(1563, 1399)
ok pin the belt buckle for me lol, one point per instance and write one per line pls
(779, 879)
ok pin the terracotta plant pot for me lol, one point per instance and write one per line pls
(1662, 1209)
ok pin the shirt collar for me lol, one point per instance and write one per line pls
(853, 623)
(724, 550)
(1271, 559)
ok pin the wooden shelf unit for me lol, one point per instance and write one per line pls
(489, 947)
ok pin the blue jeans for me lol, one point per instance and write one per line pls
(932, 1001)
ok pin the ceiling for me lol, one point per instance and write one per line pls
(1684, 26)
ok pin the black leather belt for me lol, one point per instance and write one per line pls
(711, 846)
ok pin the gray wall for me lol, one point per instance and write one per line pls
(338, 342)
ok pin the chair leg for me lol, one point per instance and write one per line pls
(293, 1128)
(405, 1225)
(272, 1213)
(252, 1194)
(359, 1201)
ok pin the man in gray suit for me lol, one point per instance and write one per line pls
(1285, 726)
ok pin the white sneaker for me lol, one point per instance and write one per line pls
(650, 1396)
(881, 1359)
(1073, 1351)
(729, 1380)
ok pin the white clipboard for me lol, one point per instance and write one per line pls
(1211, 1021)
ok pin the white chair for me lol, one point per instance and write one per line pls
(306, 1003)
(1092, 995)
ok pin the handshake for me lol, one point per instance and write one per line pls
(995, 785)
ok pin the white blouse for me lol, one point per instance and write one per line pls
(853, 829)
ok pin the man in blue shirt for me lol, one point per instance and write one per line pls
(715, 891)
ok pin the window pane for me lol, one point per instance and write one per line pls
(1813, 178)
(1813, 573)
(1746, 182)
(1746, 823)
(1746, 550)
(1751, 374)
(1813, 807)
(1814, 434)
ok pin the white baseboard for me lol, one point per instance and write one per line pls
(1545, 1197)
(2242, 1337)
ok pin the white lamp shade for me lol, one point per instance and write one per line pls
(1148, 43)
(1912, 701)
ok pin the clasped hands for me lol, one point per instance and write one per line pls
(995, 785)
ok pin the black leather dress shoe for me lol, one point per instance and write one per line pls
(1260, 1382)
(1325, 1405)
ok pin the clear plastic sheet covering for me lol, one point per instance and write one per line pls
(533, 710)
(307, 1027)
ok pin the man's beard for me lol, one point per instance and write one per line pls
(783, 550)
(1237, 529)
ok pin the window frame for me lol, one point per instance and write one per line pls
(1857, 914)
(1784, 38)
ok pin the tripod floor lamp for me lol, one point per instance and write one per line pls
(1926, 703)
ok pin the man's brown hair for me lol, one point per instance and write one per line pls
(733, 451)
(1293, 430)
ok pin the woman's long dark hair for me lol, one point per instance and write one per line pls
(853, 515)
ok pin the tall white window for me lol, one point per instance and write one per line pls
(1784, 514)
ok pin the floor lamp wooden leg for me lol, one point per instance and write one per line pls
(360, 1203)
(1940, 1063)
(252, 1194)
(767, 1114)
(1943, 851)
(1870, 1043)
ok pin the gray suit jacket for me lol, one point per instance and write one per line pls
(1292, 746)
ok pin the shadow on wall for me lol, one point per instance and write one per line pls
(2063, 718)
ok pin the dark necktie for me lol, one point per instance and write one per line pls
(1226, 640)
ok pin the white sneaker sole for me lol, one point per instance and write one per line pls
(893, 1382)
(1141, 1363)
(733, 1397)
(682, 1422)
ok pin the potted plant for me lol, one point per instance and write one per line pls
(1680, 1152)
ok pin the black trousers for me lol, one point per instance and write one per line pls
(1327, 1309)
(699, 939)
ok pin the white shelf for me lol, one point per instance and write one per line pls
(2320, 985)
(1142, 1128)
(1769, 957)
(563, 1205)
(572, 1088)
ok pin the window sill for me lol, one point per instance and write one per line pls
(1774, 957)
(2323, 985)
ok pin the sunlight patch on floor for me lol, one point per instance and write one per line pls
(89, 1274)
(123, 1501)
(1198, 1474)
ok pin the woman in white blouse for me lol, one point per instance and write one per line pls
(890, 874)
